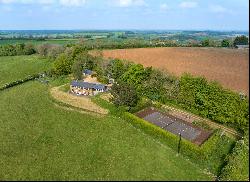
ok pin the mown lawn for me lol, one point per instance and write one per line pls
(40, 141)
(13, 68)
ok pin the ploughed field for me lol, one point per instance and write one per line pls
(230, 67)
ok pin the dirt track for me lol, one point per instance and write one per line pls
(230, 67)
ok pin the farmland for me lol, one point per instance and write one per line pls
(37, 42)
(41, 141)
(18, 67)
(230, 67)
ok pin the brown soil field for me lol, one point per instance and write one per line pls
(230, 67)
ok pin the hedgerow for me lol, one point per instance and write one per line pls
(237, 168)
(210, 100)
(21, 81)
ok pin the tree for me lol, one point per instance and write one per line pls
(54, 51)
(43, 49)
(241, 40)
(159, 86)
(29, 49)
(136, 74)
(205, 43)
(116, 68)
(225, 43)
(124, 94)
(63, 64)
(77, 70)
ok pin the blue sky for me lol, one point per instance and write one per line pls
(125, 14)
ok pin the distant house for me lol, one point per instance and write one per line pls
(87, 72)
(242, 46)
(111, 81)
(86, 88)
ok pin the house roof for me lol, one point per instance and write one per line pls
(242, 46)
(88, 72)
(88, 85)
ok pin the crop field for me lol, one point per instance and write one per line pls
(41, 141)
(13, 68)
(229, 67)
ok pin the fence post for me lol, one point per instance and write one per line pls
(179, 144)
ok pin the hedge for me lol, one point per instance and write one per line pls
(210, 155)
(17, 82)
(237, 168)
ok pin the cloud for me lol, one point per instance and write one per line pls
(66, 3)
(16, 1)
(164, 7)
(128, 3)
(72, 3)
(218, 9)
(188, 4)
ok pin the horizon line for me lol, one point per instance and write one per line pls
(132, 29)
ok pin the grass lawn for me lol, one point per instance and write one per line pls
(40, 141)
(13, 68)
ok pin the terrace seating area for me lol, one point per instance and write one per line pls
(86, 88)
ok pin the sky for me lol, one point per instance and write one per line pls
(124, 14)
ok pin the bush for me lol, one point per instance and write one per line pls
(17, 49)
(210, 100)
(237, 168)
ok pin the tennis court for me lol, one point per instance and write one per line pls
(174, 125)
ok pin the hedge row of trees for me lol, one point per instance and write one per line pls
(18, 49)
(53, 51)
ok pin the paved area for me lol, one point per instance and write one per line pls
(175, 125)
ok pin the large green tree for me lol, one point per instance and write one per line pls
(116, 68)
(241, 40)
(124, 94)
(225, 43)
(159, 86)
(63, 64)
(136, 74)
(205, 43)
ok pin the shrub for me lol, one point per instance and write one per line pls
(17, 49)
(210, 100)
(237, 168)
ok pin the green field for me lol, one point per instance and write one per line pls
(13, 68)
(37, 42)
(41, 141)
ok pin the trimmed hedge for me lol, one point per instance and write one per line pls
(210, 155)
(237, 168)
(21, 81)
